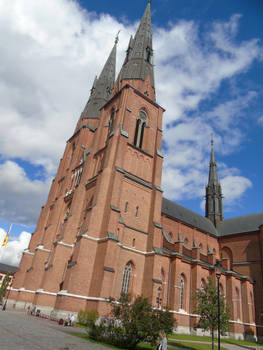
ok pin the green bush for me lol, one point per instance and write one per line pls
(87, 318)
(132, 323)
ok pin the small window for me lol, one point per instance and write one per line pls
(137, 211)
(185, 242)
(201, 247)
(133, 242)
(126, 207)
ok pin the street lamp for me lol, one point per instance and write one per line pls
(218, 269)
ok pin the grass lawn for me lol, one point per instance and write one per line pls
(192, 346)
(141, 346)
(205, 338)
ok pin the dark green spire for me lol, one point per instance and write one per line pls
(214, 206)
(139, 58)
(102, 87)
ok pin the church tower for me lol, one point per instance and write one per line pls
(214, 206)
(98, 232)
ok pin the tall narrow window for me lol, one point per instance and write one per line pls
(111, 122)
(138, 124)
(126, 278)
(181, 296)
(238, 313)
(137, 211)
(126, 207)
(202, 284)
(139, 131)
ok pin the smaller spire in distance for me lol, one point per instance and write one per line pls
(214, 206)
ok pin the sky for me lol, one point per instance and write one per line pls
(208, 71)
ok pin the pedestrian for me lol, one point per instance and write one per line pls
(72, 320)
(164, 341)
(162, 344)
(67, 321)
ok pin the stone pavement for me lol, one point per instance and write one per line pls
(19, 331)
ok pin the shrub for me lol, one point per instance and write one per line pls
(87, 318)
(132, 323)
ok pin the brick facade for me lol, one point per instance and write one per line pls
(103, 229)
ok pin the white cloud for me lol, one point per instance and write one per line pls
(47, 71)
(21, 198)
(233, 187)
(12, 252)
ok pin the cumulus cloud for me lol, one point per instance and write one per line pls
(12, 252)
(47, 71)
(21, 198)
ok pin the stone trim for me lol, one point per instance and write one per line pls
(140, 150)
(157, 281)
(137, 180)
(93, 238)
(248, 262)
(134, 250)
(109, 269)
(26, 251)
(115, 208)
(42, 249)
(65, 244)
(159, 152)
(65, 293)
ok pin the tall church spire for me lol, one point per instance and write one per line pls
(138, 63)
(102, 87)
(214, 206)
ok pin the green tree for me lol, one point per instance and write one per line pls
(206, 301)
(4, 286)
(132, 323)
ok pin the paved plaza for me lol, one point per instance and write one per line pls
(19, 331)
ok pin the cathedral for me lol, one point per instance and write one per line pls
(106, 227)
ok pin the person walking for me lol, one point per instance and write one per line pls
(162, 342)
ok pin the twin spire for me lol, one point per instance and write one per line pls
(137, 65)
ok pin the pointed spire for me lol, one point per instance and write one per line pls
(138, 63)
(213, 177)
(102, 87)
(214, 206)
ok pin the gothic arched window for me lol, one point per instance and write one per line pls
(139, 130)
(126, 278)
(182, 288)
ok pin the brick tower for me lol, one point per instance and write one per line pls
(96, 233)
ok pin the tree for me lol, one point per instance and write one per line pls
(206, 307)
(132, 323)
(4, 286)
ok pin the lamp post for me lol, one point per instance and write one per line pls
(218, 270)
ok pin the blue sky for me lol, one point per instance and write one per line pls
(208, 69)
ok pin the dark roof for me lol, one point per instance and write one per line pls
(187, 216)
(241, 224)
(8, 268)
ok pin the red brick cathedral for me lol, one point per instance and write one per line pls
(107, 229)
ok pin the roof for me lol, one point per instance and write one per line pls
(8, 268)
(241, 224)
(187, 216)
